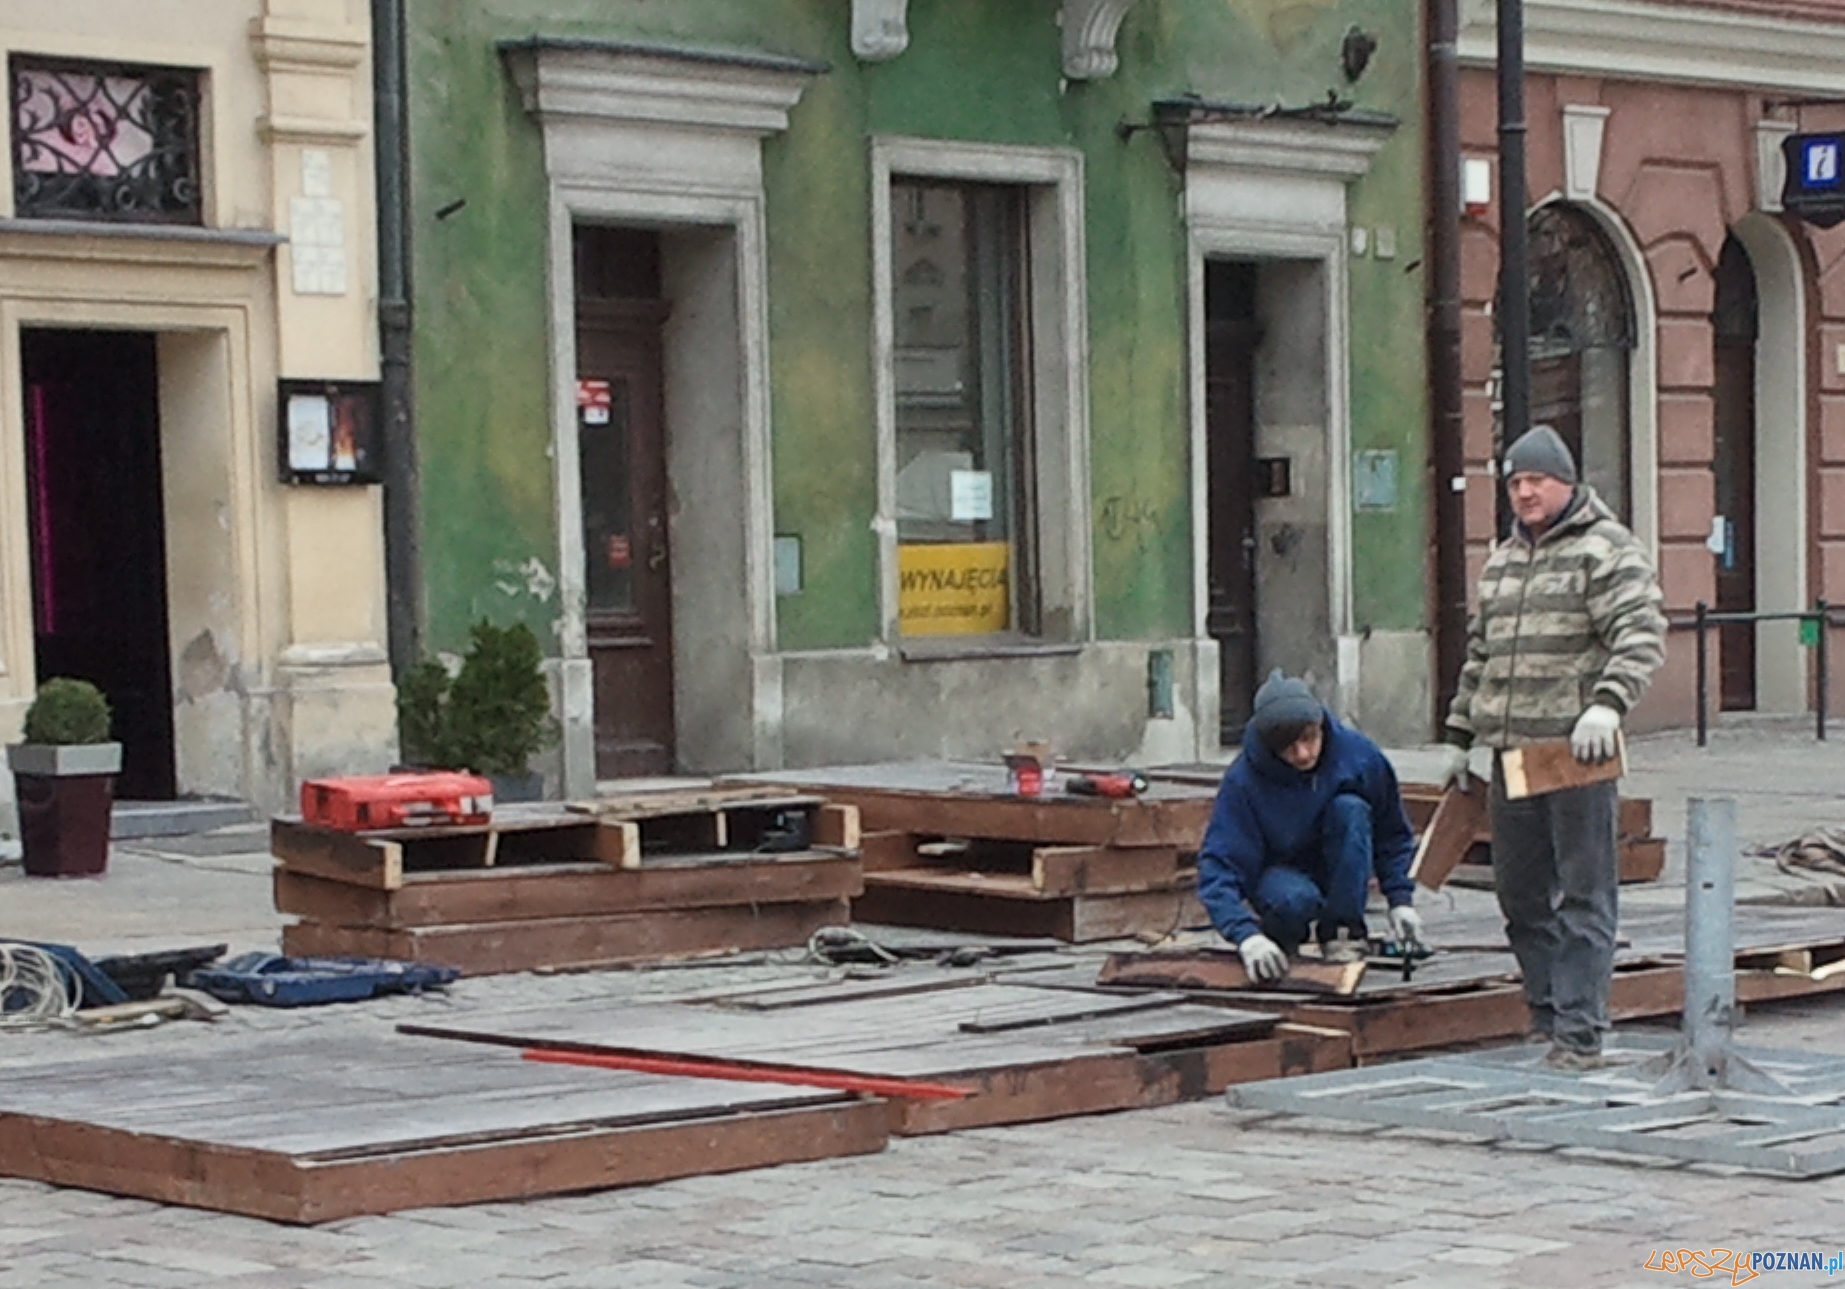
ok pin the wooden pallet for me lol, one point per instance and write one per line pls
(643, 879)
(1024, 1053)
(1455, 837)
(1008, 905)
(970, 799)
(315, 1129)
(536, 944)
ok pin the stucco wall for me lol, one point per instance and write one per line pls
(973, 70)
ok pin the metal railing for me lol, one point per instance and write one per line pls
(1704, 619)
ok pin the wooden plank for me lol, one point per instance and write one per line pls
(1636, 817)
(836, 826)
(650, 805)
(337, 856)
(1222, 969)
(1073, 821)
(491, 947)
(571, 1159)
(575, 890)
(1457, 819)
(999, 907)
(1079, 870)
(880, 852)
(1642, 859)
(1537, 768)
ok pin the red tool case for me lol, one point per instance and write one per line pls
(359, 803)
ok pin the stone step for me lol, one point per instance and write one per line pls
(133, 819)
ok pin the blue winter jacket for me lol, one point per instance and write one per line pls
(1268, 812)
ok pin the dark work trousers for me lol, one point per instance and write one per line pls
(1328, 888)
(1556, 873)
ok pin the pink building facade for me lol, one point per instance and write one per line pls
(1687, 335)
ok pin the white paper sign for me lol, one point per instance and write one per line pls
(310, 432)
(970, 495)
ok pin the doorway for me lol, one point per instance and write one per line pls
(1735, 324)
(97, 520)
(621, 449)
(1232, 336)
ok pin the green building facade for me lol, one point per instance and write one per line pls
(833, 380)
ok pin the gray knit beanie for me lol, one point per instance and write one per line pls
(1284, 702)
(1541, 450)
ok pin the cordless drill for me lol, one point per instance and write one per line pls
(1126, 783)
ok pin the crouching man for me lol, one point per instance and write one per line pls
(1304, 819)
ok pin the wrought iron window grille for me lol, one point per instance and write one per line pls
(105, 141)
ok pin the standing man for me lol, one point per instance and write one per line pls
(1304, 819)
(1567, 634)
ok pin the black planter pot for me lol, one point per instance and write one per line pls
(66, 795)
(508, 788)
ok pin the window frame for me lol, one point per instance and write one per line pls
(197, 150)
(1053, 599)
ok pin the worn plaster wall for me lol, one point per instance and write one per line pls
(974, 70)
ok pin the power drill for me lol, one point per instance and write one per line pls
(1127, 783)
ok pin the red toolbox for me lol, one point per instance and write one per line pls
(359, 803)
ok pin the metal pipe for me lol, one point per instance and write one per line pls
(1447, 428)
(1824, 680)
(1703, 675)
(1710, 915)
(1514, 274)
(402, 557)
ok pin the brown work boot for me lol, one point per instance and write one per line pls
(1342, 948)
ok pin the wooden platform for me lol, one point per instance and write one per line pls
(1468, 993)
(615, 882)
(312, 1129)
(947, 845)
(1028, 1053)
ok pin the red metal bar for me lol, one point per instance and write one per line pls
(799, 1076)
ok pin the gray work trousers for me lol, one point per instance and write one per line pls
(1556, 872)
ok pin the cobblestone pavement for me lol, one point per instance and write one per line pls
(1189, 1195)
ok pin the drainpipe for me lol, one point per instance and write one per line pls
(1447, 457)
(1514, 278)
(402, 564)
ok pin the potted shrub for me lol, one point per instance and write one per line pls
(64, 780)
(491, 717)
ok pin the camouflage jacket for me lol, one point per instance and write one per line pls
(1571, 619)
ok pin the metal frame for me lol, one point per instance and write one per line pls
(1696, 1099)
(1704, 619)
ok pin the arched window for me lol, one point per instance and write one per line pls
(1582, 340)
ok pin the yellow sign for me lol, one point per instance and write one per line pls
(954, 589)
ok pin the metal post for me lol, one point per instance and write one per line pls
(1703, 1061)
(1447, 456)
(1710, 907)
(1824, 647)
(1514, 271)
(1703, 677)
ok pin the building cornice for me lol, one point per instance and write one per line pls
(1681, 43)
(1089, 31)
(590, 80)
(297, 45)
(880, 29)
(1297, 148)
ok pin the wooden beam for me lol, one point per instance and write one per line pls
(1222, 969)
(1006, 904)
(1053, 820)
(565, 891)
(337, 856)
(487, 948)
(836, 826)
(1538, 768)
(1457, 819)
(1079, 870)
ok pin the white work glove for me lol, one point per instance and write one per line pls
(1406, 927)
(1455, 769)
(1593, 738)
(1263, 959)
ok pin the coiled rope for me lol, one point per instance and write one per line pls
(35, 988)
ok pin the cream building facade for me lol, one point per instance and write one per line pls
(165, 262)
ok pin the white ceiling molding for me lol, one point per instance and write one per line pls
(1089, 31)
(1687, 44)
(880, 29)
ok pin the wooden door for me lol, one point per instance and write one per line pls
(1733, 471)
(628, 562)
(1231, 337)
